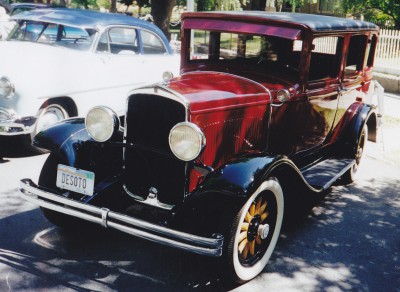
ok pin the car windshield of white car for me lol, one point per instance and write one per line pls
(53, 34)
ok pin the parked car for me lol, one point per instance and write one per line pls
(270, 110)
(59, 63)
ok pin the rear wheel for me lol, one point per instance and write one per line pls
(350, 175)
(254, 233)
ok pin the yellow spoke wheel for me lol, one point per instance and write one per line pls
(255, 231)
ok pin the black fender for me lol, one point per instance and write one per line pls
(64, 139)
(72, 144)
(358, 115)
(224, 191)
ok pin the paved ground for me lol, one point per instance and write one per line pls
(349, 241)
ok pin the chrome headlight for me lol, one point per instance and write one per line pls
(102, 123)
(186, 141)
(6, 88)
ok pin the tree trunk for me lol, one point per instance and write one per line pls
(161, 11)
(113, 7)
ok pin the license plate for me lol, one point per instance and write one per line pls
(76, 180)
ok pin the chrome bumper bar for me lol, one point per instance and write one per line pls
(153, 232)
(17, 127)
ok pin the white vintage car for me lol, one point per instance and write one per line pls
(59, 63)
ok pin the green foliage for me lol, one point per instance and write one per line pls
(104, 3)
(84, 3)
(375, 10)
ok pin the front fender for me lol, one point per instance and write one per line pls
(224, 191)
(64, 139)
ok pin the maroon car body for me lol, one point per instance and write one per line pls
(269, 111)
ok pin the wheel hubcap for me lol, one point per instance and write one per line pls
(51, 116)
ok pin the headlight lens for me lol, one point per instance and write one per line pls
(102, 123)
(186, 141)
(6, 88)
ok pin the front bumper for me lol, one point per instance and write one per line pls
(10, 126)
(210, 246)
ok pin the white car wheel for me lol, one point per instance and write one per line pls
(49, 116)
(255, 231)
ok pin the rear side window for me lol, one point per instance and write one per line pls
(152, 44)
(356, 54)
(325, 57)
(371, 53)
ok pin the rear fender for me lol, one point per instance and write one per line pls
(353, 122)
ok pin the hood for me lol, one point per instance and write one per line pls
(208, 91)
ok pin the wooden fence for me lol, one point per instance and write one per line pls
(388, 51)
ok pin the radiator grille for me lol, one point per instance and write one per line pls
(149, 163)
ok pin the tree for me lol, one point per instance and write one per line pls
(161, 11)
(388, 7)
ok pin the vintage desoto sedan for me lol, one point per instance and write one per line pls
(59, 63)
(269, 111)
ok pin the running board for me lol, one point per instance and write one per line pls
(325, 173)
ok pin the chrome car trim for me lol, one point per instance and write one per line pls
(11, 87)
(198, 131)
(150, 200)
(161, 90)
(13, 127)
(210, 246)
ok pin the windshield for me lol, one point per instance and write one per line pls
(53, 34)
(257, 53)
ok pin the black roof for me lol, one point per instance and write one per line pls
(312, 21)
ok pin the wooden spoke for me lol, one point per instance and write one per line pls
(263, 206)
(242, 236)
(242, 245)
(264, 215)
(258, 205)
(248, 217)
(252, 247)
(245, 226)
(245, 251)
(252, 209)
(258, 240)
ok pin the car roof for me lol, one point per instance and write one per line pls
(81, 18)
(30, 5)
(313, 22)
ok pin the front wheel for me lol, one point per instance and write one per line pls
(254, 232)
(46, 117)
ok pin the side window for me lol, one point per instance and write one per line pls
(325, 57)
(372, 48)
(121, 41)
(103, 45)
(356, 54)
(200, 45)
(152, 44)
